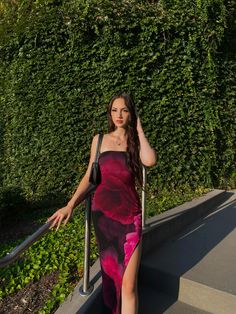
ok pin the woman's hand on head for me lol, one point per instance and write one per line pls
(61, 215)
(139, 125)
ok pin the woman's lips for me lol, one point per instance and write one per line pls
(119, 121)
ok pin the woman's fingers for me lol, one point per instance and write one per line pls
(58, 217)
(52, 217)
(67, 218)
(55, 222)
(59, 222)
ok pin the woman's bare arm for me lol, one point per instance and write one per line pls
(147, 153)
(63, 214)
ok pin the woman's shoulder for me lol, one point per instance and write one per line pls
(95, 138)
(103, 134)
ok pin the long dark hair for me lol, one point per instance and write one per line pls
(133, 144)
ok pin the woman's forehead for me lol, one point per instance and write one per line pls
(119, 103)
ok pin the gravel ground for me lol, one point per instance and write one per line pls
(30, 299)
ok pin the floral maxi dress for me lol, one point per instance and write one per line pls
(117, 220)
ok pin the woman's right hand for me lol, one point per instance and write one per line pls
(61, 215)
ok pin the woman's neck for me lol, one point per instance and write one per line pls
(120, 132)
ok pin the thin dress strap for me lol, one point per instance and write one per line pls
(100, 137)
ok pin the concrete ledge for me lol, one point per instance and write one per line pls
(158, 229)
(206, 298)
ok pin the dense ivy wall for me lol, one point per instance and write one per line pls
(61, 61)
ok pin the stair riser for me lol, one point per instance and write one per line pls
(159, 280)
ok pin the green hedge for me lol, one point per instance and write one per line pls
(63, 60)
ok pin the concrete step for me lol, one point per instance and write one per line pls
(153, 302)
(198, 267)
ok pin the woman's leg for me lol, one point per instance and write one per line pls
(129, 291)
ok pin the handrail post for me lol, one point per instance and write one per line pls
(144, 198)
(87, 288)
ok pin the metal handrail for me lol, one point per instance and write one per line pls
(17, 251)
(144, 198)
(87, 287)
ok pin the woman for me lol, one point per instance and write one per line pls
(116, 209)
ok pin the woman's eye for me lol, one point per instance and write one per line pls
(114, 110)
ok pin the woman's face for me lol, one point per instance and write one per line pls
(119, 113)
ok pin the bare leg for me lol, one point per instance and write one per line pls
(129, 292)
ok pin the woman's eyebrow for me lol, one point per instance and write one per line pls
(120, 108)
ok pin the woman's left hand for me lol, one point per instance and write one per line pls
(147, 153)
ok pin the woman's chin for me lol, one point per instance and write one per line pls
(120, 125)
